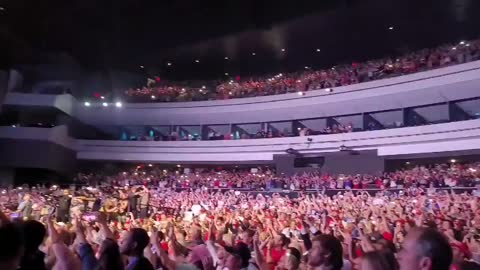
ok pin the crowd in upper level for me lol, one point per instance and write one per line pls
(450, 54)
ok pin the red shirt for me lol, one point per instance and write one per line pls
(276, 255)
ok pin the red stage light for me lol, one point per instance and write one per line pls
(237, 78)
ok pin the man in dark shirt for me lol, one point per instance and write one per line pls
(132, 246)
(33, 259)
(63, 212)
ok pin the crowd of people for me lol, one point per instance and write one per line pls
(342, 75)
(139, 219)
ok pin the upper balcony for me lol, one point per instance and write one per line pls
(430, 87)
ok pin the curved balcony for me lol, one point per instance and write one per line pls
(436, 86)
(457, 136)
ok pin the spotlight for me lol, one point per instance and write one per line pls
(462, 42)
(203, 87)
(197, 61)
(179, 165)
(150, 165)
(118, 104)
(102, 97)
(226, 58)
(390, 28)
(318, 50)
(283, 50)
(87, 104)
(169, 64)
(14, 126)
(254, 54)
(226, 73)
(142, 67)
(306, 67)
(153, 97)
(104, 104)
(453, 160)
(408, 162)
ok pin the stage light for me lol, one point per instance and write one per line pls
(142, 67)
(230, 93)
(299, 81)
(169, 64)
(203, 87)
(14, 126)
(283, 50)
(179, 165)
(226, 73)
(87, 104)
(226, 57)
(408, 162)
(306, 67)
(102, 97)
(390, 28)
(118, 104)
(150, 165)
(454, 48)
(104, 104)
(453, 160)
(462, 42)
(197, 61)
(318, 50)
(254, 54)
(153, 97)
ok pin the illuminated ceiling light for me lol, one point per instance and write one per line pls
(197, 61)
(104, 104)
(153, 97)
(390, 28)
(318, 50)
(87, 104)
(118, 104)
(254, 54)
(453, 160)
(169, 64)
(142, 67)
(226, 58)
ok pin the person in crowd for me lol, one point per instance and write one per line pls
(34, 234)
(12, 247)
(133, 244)
(425, 249)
